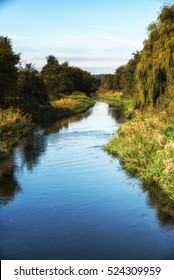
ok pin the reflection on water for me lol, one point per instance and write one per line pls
(9, 186)
(116, 113)
(67, 198)
(31, 149)
(64, 123)
(165, 215)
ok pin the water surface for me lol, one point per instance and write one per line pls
(63, 197)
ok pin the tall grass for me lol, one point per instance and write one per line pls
(72, 105)
(13, 125)
(145, 146)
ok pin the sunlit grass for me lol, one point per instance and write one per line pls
(72, 105)
(13, 125)
(65, 102)
(145, 146)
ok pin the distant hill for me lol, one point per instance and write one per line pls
(99, 76)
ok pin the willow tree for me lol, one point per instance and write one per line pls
(155, 71)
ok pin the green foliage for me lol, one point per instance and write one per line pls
(8, 69)
(61, 79)
(107, 82)
(30, 85)
(124, 77)
(155, 71)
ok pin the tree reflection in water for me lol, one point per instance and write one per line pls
(30, 150)
(116, 113)
(9, 185)
(164, 213)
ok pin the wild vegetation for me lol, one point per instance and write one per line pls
(28, 96)
(14, 124)
(74, 104)
(145, 144)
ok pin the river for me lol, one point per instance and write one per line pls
(63, 197)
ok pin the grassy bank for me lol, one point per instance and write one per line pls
(71, 105)
(14, 124)
(145, 147)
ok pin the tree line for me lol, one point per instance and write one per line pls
(25, 86)
(148, 77)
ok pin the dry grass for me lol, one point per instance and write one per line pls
(65, 102)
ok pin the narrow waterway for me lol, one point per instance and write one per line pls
(63, 197)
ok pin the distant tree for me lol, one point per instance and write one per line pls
(30, 86)
(8, 68)
(64, 79)
(107, 82)
(119, 77)
(50, 73)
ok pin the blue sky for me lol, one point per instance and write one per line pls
(96, 35)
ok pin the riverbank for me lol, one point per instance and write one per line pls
(145, 147)
(14, 124)
(117, 98)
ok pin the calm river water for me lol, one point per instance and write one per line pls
(63, 197)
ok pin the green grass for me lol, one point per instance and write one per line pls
(145, 147)
(13, 126)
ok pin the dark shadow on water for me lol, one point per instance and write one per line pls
(64, 123)
(164, 213)
(9, 185)
(116, 113)
(30, 149)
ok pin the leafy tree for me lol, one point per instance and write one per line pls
(50, 73)
(8, 68)
(155, 71)
(30, 86)
(64, 79)
(124, 77)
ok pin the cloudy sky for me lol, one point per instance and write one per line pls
(96, 35)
